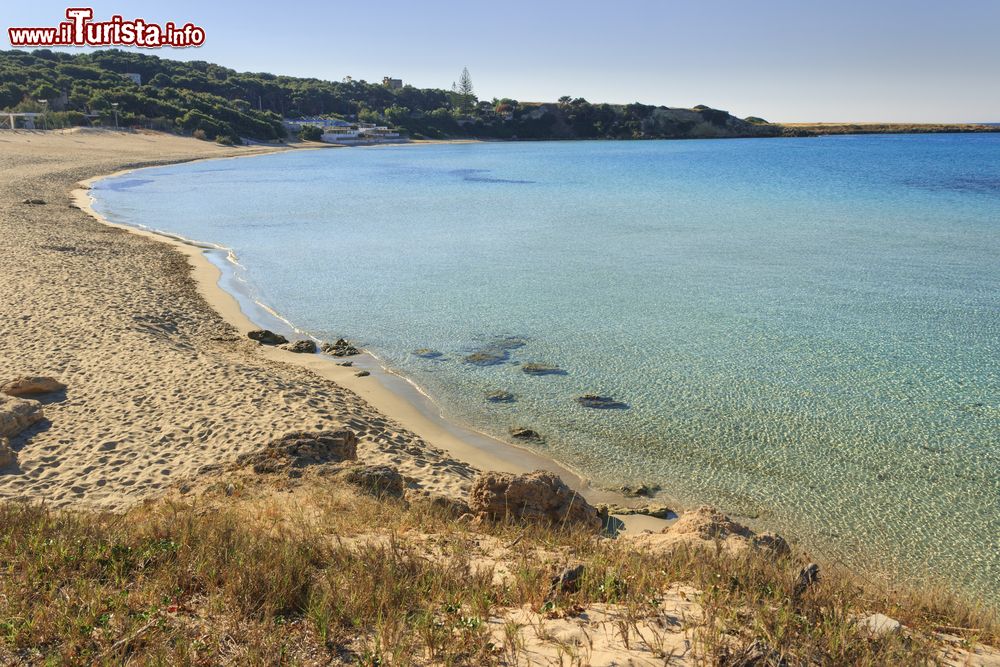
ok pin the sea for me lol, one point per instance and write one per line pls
(804, 332)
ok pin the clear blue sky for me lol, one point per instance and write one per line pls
(784, 60)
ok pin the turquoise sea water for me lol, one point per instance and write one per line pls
(806, 331)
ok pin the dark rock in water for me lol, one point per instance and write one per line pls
(302, 448)
(486, 358)
(362, 374)
(340, 349)
(600, 402)
(567, 581)
(266, 337)
(427, 353)
(34, 202)
(376, 480)
(542, 369)
(635, 491)
(496, 352)
(301, 347)
(501, 397)
(509, 343)
(524, 434)
(655, 511)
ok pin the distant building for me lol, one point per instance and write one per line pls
(360, 132)
(296, 124)
(137, 78)
(392, 84)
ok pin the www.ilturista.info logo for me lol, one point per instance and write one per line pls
(79, 30)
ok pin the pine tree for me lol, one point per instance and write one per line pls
(466, 94)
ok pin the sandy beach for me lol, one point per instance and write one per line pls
(162, 381)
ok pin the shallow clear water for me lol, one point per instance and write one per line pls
(806, 331)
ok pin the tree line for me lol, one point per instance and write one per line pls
(219, 103)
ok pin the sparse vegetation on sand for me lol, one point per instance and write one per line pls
(249, 570)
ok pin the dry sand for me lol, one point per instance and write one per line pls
(162, 380)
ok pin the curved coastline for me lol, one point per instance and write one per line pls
(389, 392)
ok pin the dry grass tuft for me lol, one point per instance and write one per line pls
(320, 575)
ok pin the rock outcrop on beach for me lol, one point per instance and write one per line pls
(7, 455)
(300, 347)
(708, 527)
(341, 348)
(17, 414)
(266, 337)
(536, 496)
(31, 386)
(378, 480)
(301, 448)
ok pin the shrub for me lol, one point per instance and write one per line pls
(311, 133)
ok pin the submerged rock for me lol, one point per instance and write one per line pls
(542, 369)
(486, 358)
(266, 337)
(17, 414)
(501, 397)
(635, 491)
(536, 496)
(28, 386)
(427, 353)
(300, 347)
(601, 402)
(655, 511)
(524, 434)
(340, 349)
(496, 352)
(362, 374)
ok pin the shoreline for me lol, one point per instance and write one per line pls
(389, 393)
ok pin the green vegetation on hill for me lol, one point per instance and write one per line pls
(217, 102)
